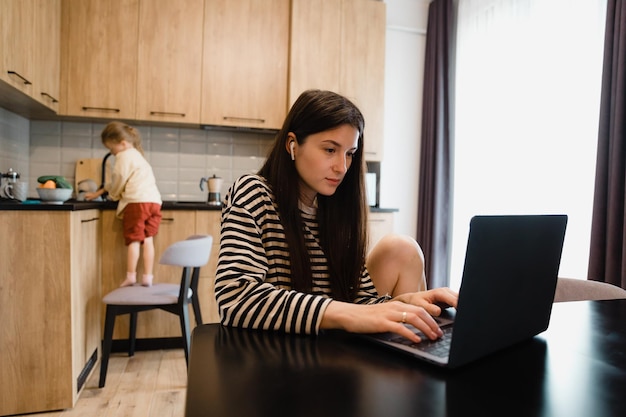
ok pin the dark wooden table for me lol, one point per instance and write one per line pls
(576, 368)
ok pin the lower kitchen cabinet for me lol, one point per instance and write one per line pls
(208, 223)
(175, 225)
(379, 225)
(50, 307)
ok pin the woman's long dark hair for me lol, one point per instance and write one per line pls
(342, 216)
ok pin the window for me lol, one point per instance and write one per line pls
(528, 79)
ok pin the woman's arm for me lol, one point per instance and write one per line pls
(252, 287)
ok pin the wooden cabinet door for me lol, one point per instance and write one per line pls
(244, 72)
(363, 71)
(100, 62)
(35, 306)
(16, 57)
(379, 225)
(86, 290)
(47, 52)
(315, 55)
(339, 45)
(208, 223)
(170, 59)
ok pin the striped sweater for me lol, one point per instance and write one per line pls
(253, 286)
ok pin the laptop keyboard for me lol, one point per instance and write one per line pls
(439, 347)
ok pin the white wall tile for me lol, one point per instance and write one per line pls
(180, 157)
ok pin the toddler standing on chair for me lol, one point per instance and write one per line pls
(134, 186)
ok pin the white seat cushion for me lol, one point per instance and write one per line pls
(157, 294)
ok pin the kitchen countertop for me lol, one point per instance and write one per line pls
(73, 205)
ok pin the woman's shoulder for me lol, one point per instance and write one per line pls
(249, 187)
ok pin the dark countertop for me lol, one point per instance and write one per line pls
(382, 210)
(73, 205)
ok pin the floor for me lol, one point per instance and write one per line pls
(150, 384)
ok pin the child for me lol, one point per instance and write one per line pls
(134, 185)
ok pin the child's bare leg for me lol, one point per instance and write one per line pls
(131, 264)
(396, 266)
(148, 261)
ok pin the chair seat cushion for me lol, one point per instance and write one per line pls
(157, 294)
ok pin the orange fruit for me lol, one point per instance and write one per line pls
(49, 184)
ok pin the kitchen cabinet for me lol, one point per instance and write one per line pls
(245, 59)
(30, 48)
(50, 307)
(170, 61)
(208, 223)
(175, 225)
(379, 224)
(339, 45)
(99, 58)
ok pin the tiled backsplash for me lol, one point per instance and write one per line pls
(180, 157)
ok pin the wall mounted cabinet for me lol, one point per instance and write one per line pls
(170, 61)
(339, 45)
(99, 58)
(202, 62)
(30, 48)
(244, 72)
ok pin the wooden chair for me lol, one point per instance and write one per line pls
(190, 254)
(570, 289)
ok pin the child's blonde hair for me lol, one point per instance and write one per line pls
(116, 132)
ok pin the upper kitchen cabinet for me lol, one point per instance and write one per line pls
(47, 52)
(244, 80)
(170, 61)
(339, 45)
(99, 58)
(30, 50)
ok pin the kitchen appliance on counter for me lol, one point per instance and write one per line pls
(7, 180)
(215, 186)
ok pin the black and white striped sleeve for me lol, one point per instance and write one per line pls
(253, 287)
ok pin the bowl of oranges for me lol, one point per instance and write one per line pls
(54, 189)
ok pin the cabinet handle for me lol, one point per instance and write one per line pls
(166, 113)
(26, 82)
(244, 119)
(167, 219)
(94, 219)
(54, 100)
(377, 220)
(86, 108)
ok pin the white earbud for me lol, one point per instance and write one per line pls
(293, 155)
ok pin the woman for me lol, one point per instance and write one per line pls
(294, 238)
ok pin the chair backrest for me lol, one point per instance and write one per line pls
(191, 252)
(571, 289)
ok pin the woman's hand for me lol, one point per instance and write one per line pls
(432, 300)
(378, 318)
(415, 308)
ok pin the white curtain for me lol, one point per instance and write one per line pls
(528, 78)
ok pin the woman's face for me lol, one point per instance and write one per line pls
(323, 160)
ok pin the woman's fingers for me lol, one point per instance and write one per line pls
(418, 318)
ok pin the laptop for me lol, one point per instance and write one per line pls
(507, 290)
